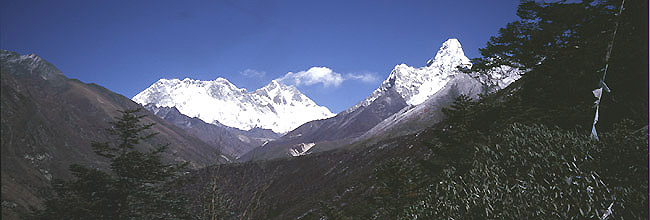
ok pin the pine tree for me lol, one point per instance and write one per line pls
(135, 187)
(563, 46)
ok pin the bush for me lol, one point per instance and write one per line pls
(527, 171)
(623, 164)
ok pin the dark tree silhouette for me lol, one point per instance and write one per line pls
(136, 187)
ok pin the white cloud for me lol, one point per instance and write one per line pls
(325, 76)
(363, 77)
(312, 76)
(251, 73)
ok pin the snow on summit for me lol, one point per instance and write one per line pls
(276, 106)
(415, 85)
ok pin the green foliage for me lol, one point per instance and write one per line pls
(397, 184)
(563, 46)
(459, 112)
(457, 133)
(547, 31)
(331, 213)
(524, 171)
(89, 195)
(623, 164)
(215, 203)
(128, 132)
(528, 171)
(136, 187)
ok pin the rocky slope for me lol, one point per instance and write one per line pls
(48, 122)
(414, 118)
(230, 141)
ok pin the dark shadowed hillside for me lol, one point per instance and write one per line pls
(230, 141)
(48, 122)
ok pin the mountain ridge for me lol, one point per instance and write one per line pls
(405, 86)
(275, 106)
(408, 81)
(230, 141)
(49, 121)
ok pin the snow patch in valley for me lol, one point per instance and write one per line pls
(243, 138)
(301, 149)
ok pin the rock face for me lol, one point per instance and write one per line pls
(405, 86)
(499, 77)
(230, 141)
(414, 118)
(48, 122)
(275, 106)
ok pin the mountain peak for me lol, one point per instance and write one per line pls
(272, 85)
(278, 84)
(451, 47)
(275, 106)
(451, 44)
(415, 85)
(222, 80)
(31, 64)
(450, 52)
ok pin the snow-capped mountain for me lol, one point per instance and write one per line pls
(414, 118)
(275, 106)
(415, 85)
(409, 96)
(405, 86)
(442, 85)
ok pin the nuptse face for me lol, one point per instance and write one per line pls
(275, 106)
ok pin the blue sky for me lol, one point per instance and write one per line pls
(126, 46)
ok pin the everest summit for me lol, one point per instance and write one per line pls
(275, 106)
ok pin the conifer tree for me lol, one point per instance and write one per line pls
(134, 188)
